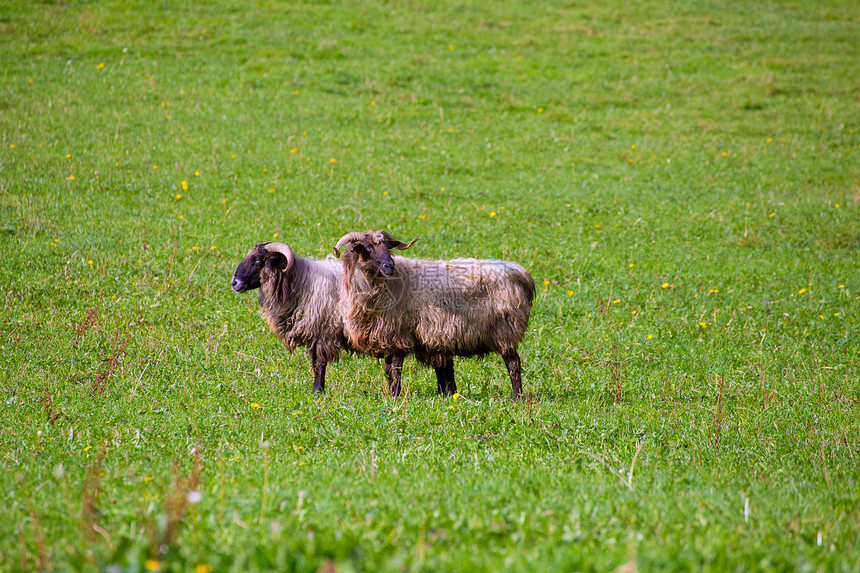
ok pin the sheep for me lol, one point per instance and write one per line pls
(299, 300)
(394, 306)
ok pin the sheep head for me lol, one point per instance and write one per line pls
(273, 257)
(372, 250)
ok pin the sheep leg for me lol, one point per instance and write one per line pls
(445, 379)
(393, 369)
(319, 372)
(387, 370)
(512, 361)
(319, 377)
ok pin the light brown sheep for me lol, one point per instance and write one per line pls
(394, 306)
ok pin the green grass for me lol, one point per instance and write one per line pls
(681, 179)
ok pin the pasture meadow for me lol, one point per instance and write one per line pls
(680, 178)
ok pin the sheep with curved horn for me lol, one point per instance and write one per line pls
(394, 306)
(299, 298)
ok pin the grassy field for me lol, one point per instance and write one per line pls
(682, 180)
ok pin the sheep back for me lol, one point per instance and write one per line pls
(440, 309)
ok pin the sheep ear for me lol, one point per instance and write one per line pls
(277, 262)
(279, 253)
(395, 244)
(357, 248)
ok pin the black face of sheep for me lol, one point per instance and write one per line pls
(247, 275)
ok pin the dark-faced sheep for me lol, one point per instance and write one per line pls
(394, 306)
(299, 300)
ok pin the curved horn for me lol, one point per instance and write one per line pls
(283, 249)
(348, 238)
